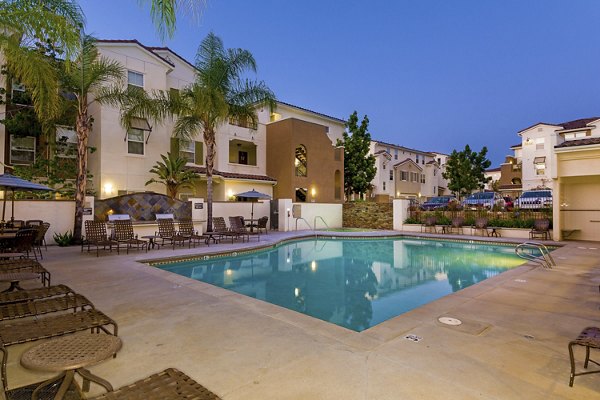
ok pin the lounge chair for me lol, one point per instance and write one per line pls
(261, 224)
(429, 223)
(186, 229)
(166, 231)
(481, 224)
(169, 384)
(95, 235)
(33, 329)
(34, 294)
(30, 308)
(541, 229)
(25, 265)
(220, 229)
(237, 226)
(123, 234)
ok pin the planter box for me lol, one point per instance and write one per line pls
(518, 233)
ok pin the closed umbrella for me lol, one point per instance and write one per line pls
(253, 196)
(9, 181)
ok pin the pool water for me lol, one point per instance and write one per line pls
(354, 283)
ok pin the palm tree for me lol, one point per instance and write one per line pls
(218, 94)
(86, 80)
(24, 26)
(171, 172)
(164, 13)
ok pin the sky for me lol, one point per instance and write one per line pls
(433, 75)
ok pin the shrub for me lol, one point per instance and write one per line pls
(64, 239)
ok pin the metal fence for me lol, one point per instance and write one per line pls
(508, 219)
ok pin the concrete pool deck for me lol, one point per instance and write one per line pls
(512, 343)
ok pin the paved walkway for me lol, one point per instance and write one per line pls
(512, 344)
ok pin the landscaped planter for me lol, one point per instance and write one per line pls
(519, 233)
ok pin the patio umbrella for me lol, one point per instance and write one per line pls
(253, 196)
(9, 181)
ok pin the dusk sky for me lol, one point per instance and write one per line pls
(431, 75)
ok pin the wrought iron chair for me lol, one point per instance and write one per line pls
(481, 224)
(457, 223)
(220, 229)
(238, 227)
(186, 229)
(429, 224)
(95, 235)
(541, 229)
(123, 234)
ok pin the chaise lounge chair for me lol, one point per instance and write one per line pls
(95, 235)
(124, 234)
(186, 229)
(166, 231)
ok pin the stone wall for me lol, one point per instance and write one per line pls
(142, 206)
(368, 215)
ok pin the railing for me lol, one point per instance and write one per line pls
(305, 221)
(546, 260)
(315, 222)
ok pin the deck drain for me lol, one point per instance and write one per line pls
(414, 338)
(520, 280)
(450, 321)
(530, 337)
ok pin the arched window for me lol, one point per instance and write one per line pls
(516, 181)
(337, 184)
(300, 161)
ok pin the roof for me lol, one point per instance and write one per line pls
(568, 125)
(410, 161)
(134, 41)
(579, 142)
(172, 52)
(312, 112)
(405, 148)
(493, 169)
(516, 145)
(232, 175)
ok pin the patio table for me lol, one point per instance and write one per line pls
(69, 355)
(15, 277)
(152, 240)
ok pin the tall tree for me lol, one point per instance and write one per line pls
(86, 80)
(164, 13)
(359, 166)
(217, 95)
(465, 171)
(171, 172)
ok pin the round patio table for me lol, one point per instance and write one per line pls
(69, 355)
(15, 277)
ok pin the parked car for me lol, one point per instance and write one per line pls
(438, 202)
(485, 200)
(534, 199)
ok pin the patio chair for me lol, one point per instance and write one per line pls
(22, 244)
(123, 234)
(481, 224)
(33, 329)
(25, 265)
(32, 308)
(220, 229)
(40, 237)
(429, 223)
(95, 235)
(166, 231)
(34, 294)
(238, 226)
(186, 229)
(541, 229)
(169, 384)
(457, 223)
(261, 224)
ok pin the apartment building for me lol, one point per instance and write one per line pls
(406, 173)
(507, 178)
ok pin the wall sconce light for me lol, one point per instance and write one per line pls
(108, 188)
(313, 192)
(313, 266)
(230, 194)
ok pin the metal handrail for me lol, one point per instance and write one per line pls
(547, 260)
(307, 224)
(315, 222)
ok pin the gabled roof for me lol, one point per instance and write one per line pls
(135, 42)
(493, 169)
(155, 49)
(312, 112)
(384, 153)
(568, 125)
(405, 148)
(410, 161)
(514, 146)
(232, 175)
(579, 142)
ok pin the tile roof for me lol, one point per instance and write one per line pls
(153, 48)
(568, 125)
(579, 142)
(404, 148)
(408, 160)
(380, 152)
(232, 175)
(311, 111)
(493, 169)
(516, 145)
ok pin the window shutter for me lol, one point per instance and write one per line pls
(198, 153)
(175, 146)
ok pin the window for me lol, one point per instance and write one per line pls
(417, 158)
(135, 79)
(66, 142)
(395, 154)
(439, 161)
(539, 143)
(383, 185)
(434, 172)
(244, 122)
(187, 150)
(300, 162)
(243, 157)
(422, 178)
(414, 177)
(576, 135)
(301, 195)
(391, 175)
(337, 179)
(22, 150)
(383, 165)
(389, 151)
(404, 175)
(135, 141)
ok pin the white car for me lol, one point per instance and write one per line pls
(534, 199)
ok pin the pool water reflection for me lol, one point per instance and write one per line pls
(350, 282)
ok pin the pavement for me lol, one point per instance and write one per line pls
(512, 343)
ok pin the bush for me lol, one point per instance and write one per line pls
(64, 239)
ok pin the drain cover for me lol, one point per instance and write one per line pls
(450, 321)
(520, 280)
(414, 338)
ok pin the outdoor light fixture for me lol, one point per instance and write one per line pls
(230, 193)
(313, 192)
(108, 188)
(313, 266)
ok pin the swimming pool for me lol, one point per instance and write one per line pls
(354, 283)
